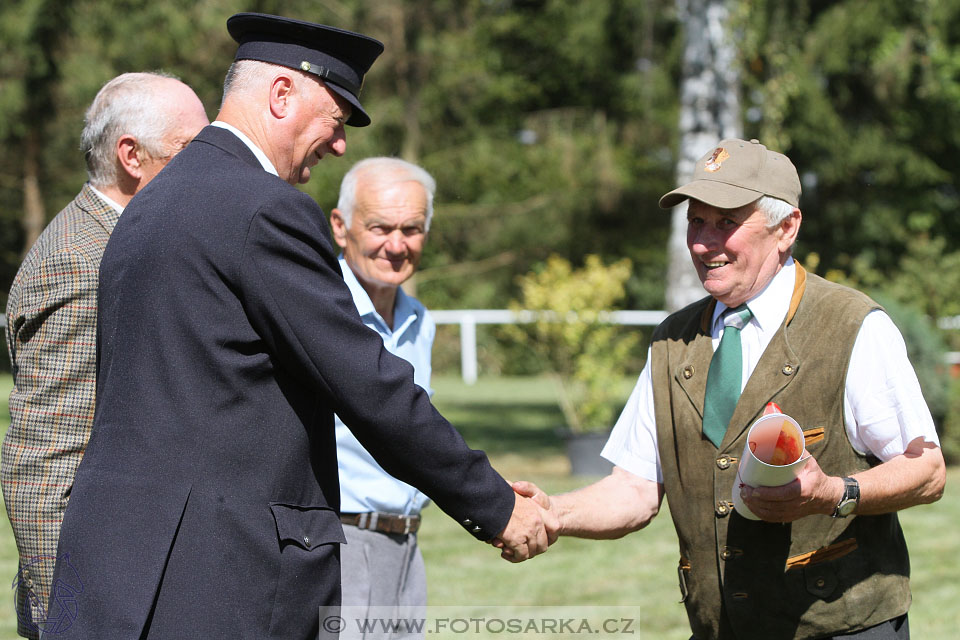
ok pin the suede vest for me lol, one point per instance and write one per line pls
(749, 579)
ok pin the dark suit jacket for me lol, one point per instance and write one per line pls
(206, 503)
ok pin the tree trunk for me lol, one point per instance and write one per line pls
(34, 217)
(709, 112)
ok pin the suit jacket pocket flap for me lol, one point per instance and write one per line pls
(307, 527)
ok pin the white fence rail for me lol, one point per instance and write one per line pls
(468, 319)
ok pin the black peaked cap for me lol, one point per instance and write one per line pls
(340, 58)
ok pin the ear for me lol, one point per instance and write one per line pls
(128, 155)
(339, 228)
(789, 229)
(281, 91)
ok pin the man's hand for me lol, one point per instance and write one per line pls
(551, 521)
(525, 535)
(812, 492)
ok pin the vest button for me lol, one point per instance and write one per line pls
(688, 372)
(788, 369)
(722, 508)
(723, 462)
(725, 554)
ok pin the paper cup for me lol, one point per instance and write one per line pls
(773, 456)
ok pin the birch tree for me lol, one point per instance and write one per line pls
(709, 112)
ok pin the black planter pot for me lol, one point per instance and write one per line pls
(583, 451)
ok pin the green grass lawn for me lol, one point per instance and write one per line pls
(516, 421)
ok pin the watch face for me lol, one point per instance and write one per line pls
(847, 508)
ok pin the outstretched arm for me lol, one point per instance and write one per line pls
(609, 508)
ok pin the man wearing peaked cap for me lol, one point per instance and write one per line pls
(206, 505)
(830, 357)
(340, 58)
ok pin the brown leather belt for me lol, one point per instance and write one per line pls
(382, 522)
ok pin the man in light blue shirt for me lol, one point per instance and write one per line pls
(381, 223)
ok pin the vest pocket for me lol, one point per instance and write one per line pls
(813, 435)
(823, 554)
(819, 572)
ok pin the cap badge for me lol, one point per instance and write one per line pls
(716, 159)
(305, 65)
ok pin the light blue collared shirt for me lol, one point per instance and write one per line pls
(364, 485)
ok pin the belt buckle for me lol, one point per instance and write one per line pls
(406, 524)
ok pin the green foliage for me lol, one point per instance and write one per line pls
(925, 348)
(548, 124)
(950, 434)
(862, 95)
(926, 277)
(551, 125)
(587, 355)
(923, 287)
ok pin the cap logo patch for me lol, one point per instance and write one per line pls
(716, 159)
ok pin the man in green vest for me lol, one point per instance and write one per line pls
(828, 356)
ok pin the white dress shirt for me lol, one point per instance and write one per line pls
(257, 151)
(109, 201)
(883, 407)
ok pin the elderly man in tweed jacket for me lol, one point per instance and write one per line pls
(136, 123)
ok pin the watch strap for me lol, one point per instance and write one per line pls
(849, 500)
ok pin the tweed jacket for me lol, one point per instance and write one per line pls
(206, 504)
(51, 333)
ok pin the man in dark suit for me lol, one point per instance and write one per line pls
(135, 124)
(206, 504)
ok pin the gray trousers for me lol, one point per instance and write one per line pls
(896, 629)
(383, 578)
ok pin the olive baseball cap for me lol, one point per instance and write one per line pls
(736, 173)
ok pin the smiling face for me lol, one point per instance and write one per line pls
(319, 129)
(734, 251)
(387, 232)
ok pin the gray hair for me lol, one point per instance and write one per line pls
(244, 75)
(384, 171)
(127, 105)
(773, 209)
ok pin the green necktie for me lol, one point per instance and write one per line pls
(723, 378)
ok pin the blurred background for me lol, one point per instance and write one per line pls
(552, 128)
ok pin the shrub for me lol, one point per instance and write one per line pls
(587, 356)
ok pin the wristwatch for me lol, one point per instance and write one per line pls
(849, 500)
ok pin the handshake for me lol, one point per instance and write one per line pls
(533, 526)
